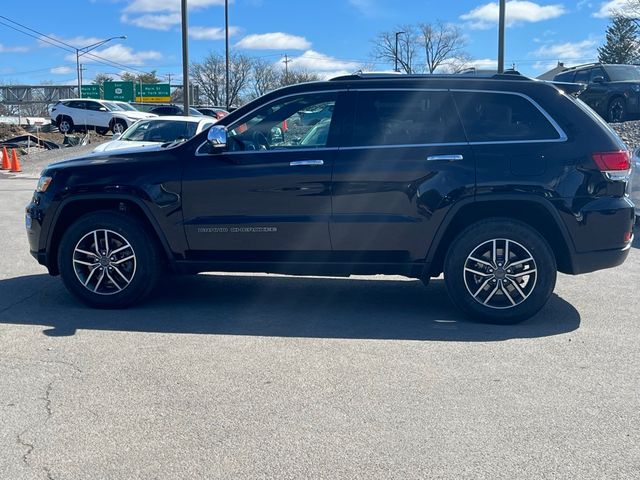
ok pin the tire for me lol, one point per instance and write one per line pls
(102, 130)
(118, 126)
(617, 110)
(65, 125)
(488, 290)
(108, 285)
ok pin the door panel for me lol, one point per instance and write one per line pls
(271, 191)
(258, 201)
(408, 162)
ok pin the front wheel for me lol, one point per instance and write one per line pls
(617, 111)
(107, 260)
(500, 271)
(118, 127)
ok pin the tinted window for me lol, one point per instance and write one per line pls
(564, 77)
(598, 72)
(405, 118)
(619, 73)
(76, 104)
(165, 111)
(492, 117)
(582, 76)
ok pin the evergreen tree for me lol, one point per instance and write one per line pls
(621, 45)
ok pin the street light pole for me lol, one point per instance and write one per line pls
(396, 51)
(185, 58)
(226, 46)
(501, 21)
(85, 50)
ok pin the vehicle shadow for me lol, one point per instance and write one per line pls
(223, 304)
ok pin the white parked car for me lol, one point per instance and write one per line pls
(634, 187)
(99, 115)
(158, 130)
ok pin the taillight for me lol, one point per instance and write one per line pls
(615, 165)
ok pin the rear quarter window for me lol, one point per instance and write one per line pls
(502, 117)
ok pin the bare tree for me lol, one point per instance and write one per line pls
(441, 42)
(266, 77)
(100, 78)
(298, 76)
(408, 47)
(210, 77)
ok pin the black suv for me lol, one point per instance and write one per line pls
(611, 90)
(497, 182)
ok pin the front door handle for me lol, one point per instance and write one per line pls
(445, 158)
(307, 162)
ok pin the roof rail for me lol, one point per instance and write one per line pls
(507, 75)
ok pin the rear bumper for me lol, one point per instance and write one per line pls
(592, 261)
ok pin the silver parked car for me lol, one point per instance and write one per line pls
(634, 187)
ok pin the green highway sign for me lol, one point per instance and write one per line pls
(91, 91)
(153, 92)
(122, 91)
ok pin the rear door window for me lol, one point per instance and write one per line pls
(405, 117)
(502, 117)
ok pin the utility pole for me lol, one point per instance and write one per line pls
(501, 21)
(286, 67)
(395, 53)
(185, 59)
(226, 52)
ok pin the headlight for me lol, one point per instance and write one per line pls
(43, 184)
(636, 88)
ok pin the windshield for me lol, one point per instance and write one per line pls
(619, 73)
(194, 112)
(160, 131)
(125, 106)
(113, 107)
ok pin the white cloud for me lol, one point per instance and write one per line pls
(160, 14)
(565, 52)
(5, 49)
(154, 22)
(274, 41)
(210, 33)
(61, 70)
(151, 6)
(323, 65)
(518, 12)
(607, 9)
(483, 64)
(77, 42)
(121, 54)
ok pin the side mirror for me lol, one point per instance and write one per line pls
(103, 109)
(217, 136)
(598, 79)
(116, 136)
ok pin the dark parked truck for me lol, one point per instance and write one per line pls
(611, 90)
(499, 182)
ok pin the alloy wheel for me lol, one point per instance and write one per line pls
(104, 262)
(500, 273)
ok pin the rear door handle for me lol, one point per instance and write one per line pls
(445, 158)
(307, 162)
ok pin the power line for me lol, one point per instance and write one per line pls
(61, 45)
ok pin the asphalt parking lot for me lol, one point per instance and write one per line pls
(263, 376)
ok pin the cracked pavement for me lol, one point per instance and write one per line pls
(256, 376)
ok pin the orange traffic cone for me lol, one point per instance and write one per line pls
(15, 163)
(6, 163)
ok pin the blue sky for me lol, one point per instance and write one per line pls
(327, 36)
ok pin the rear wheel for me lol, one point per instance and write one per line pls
(102, 130)
(65, 125)
(107, 260)
(500, 271)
